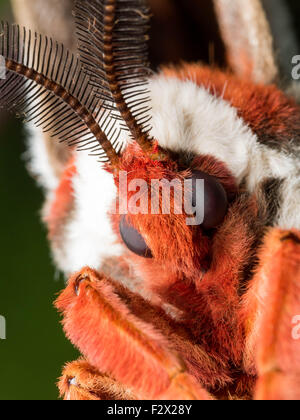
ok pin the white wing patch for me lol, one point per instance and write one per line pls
(40, 164)
(88, 237)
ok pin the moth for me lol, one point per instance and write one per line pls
(160, 309)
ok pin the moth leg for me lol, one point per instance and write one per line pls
(82, 382)
(271, 305)
(115, 341)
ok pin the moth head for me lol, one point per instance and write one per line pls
(91, 102)
(167, 214)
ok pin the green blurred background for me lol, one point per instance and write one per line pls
(35, 350)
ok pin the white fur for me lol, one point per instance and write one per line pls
(289, 215)
(39, 164)
(186, 118)
(88, 237)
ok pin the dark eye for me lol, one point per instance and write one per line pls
(133, 239)
(215, 199)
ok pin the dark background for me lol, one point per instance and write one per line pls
(35, 350)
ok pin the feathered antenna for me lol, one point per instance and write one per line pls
(46, 84)
(81, 101)
(113, 47)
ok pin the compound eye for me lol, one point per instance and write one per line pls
(215, 199)
(133, 239)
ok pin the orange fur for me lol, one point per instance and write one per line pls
(273, 299)
(136, 343)
(62, 202)
(200, 274)
(80, 381)
(230, 328)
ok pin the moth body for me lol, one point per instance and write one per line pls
(195, 112)
(158, 307)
